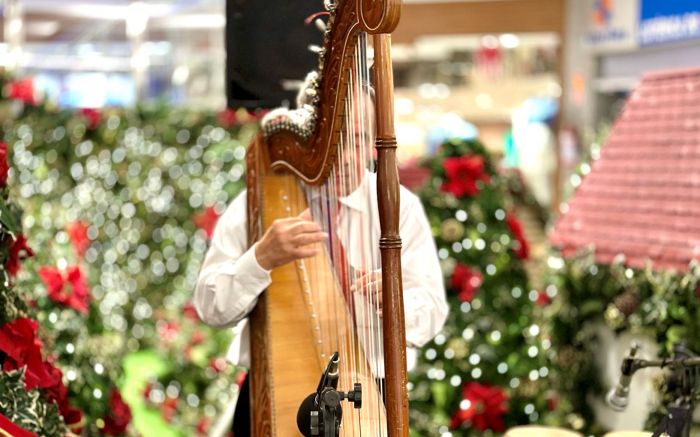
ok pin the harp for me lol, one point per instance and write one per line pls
(310, 311)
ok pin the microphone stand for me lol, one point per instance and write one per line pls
(685, 367)
(325, 412)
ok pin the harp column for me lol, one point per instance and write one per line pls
(390, 242)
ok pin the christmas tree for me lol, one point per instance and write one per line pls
(488, 369)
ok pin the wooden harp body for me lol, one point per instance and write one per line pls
(303, 317)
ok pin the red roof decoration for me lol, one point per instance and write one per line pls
(642, 197)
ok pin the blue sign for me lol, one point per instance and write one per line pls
(665, 21)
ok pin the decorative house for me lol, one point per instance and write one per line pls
(642, 197)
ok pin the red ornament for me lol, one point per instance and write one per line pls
(218, 364)
(206, 220)
(203, 425)
(190, 312)
(522, 250)
(240, 379)
(552, 401)
(22, 90)
(543, 299)
(119, 415)
(466, 282)
(67, 288)
(227, 118)
(146, 392)
(78, 234)
(196, 338)
(463, 173)
(167, 330)
(4, 164)
(92, 117)
(485, 407)
(168, 409)
(18, 251)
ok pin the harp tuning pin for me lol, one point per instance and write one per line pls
(311, 92)
(329, 4)
(315, 49)
(320, 25)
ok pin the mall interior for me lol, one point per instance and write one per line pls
(547, 280)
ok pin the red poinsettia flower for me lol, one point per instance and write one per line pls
(22, 90)
(18, 251)
(22, 348)
(206, 220)
(522, 249)
(7, 427)
(18, 341)
(4, 164)
(463, 173)
(484, 407)
(18, 338)
(119, 415)
(227, 118)
(466, 282)
(78, 234)
(67, 288)
(58, 393)
(92, 117)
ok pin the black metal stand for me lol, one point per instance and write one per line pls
(685, 367)
(320, 414)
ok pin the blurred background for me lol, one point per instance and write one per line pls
(125, 126)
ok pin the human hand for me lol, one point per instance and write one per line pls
(287, 240)
(369, 284)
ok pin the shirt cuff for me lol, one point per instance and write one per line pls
(254, 272)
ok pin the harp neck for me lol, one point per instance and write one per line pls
(310, 151)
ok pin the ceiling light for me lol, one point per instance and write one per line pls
(42, 28)
(509, 41)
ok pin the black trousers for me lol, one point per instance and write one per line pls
(241, 417)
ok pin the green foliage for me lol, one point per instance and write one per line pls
(660, 304)
(28, 409)
(493, 337)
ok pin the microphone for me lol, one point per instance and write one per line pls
(309, 414)
(618, 396)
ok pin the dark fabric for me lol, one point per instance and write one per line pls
(241, 417)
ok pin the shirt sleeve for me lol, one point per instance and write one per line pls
(425, 304)
(231, 279)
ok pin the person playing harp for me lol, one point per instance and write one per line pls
(313, 244)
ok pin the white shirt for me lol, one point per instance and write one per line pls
(231, 279)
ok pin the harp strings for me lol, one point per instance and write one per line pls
(343, 207)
